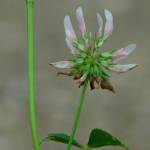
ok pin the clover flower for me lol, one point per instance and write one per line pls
(88, 62)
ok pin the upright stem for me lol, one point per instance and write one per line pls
(77, 117)
(31, 75)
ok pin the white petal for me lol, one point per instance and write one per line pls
(71, 47)
(80, 18)
(62, 64)
(123, 52)
(100, 24)
(109, 24)
(83, 77)
(123, 68)
(70, 34)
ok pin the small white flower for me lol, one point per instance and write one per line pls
(100, 25)
(109, 24)
(62, 64)
(73, 50)
(70, 34)
(83, 77)
(122, 68)
(123, 52)
(80, 18)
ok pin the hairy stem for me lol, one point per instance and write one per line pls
(31, 75)
(77, 117)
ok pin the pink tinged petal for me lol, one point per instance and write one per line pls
(62, 64)
(80, 18)
(70, 34)
(100, 24)
(71, 47)
(109, 24)
(123, 52)
(123, 68)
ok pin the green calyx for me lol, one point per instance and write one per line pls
(89, 60)
(94, 66)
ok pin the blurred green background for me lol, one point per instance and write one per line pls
(125, 114)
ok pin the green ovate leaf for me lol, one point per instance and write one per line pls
(100, 138)
(61, 138)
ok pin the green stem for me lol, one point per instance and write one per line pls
(78, 112)
(31, 75)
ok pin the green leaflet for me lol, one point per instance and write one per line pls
(100, 138)
(61, 138)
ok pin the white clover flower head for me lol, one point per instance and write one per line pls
(88, 62)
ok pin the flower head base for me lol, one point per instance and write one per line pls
(89, 63)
